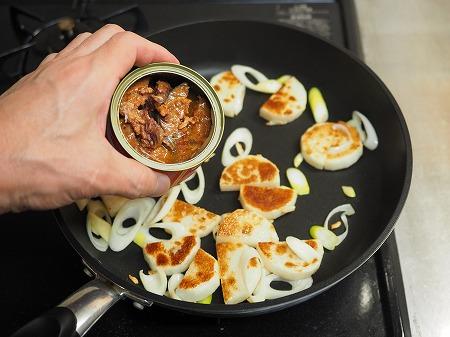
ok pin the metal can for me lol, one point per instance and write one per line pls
(177, 172)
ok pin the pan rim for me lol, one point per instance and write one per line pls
(250, 309)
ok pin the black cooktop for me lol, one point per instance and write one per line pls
(39, 268)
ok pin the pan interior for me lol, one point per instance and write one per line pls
(379, 177)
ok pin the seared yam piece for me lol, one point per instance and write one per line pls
(196, 220)
(172, 256)
(255, 170)
(240, 271)
(245, 227)
(201, 279)
(331, 146)
(270, 202)
(231, 92)
(286, 104)
(281, 260)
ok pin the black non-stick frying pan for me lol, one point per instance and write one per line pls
(381, 178)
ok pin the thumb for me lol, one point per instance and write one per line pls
(131, 179)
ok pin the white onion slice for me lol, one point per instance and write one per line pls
(99, 226)
(345, 209)
(96, 208)
(164, 205)
(99, 209)
(298, 181)
(268, 86)
(302, 249)
(318, 106)
(155, 282)
(194, 196)
(283, 79)
(371, 139)
(99, 243)
(81, 203)
(357, 124)
(174, 282)
(143, 236)
(349, 191)
(298, 159)
(240, 135)
(263, 83)
(265, 292)
(326, 237)
(137, 209)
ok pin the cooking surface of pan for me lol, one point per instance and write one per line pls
(381, 178)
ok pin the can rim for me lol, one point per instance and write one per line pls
(217, 114)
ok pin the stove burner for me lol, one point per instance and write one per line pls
(41, 37)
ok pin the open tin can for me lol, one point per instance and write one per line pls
(177, 172)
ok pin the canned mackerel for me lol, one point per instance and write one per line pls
(167, 117)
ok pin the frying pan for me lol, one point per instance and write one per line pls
(381, 177)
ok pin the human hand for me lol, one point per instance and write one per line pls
(52, 122)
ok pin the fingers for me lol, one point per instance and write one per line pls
(97, 39)
(48, 58)
(74, 43)
(129, 178)
(124, 50)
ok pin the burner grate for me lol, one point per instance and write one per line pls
(40, 36)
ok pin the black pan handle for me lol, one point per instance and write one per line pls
(75, 316)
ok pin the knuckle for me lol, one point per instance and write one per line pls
(84, 35)
(123, 37)
(113, 27)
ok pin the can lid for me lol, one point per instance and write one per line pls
(205, 87)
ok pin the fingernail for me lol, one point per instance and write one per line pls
(162, 184)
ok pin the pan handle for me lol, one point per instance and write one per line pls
(75, 316)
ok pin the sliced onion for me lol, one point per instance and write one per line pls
(318, 107)
(240, 135)
(173, 284)
(99, 226)
(263, 83)
(265, 292)
(137, 209)
(268, 86)
(99, 243)
(357, 124)
(298, 159)
(143, 236)
(81, 203)
(326, 237)
(97, 212)
(371, 139)
(206, 300)
(302, 249)
(113, 203)
(349, 191)
(99, 209)
(345, 145)
(298, 181)
(164, 205)
(155, 282)
(283, 79)
(194, 196)
(345, 209)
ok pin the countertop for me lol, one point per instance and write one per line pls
(407, 43)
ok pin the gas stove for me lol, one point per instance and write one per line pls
(39, 267)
